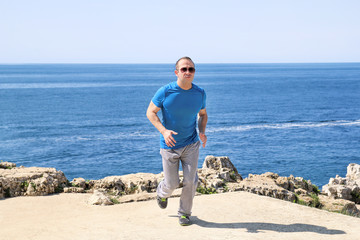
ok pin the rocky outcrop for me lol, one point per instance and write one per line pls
(7, 165)
(32, 181)
(353, 173)
(217, 175)
(339, 205)
(293, 189)
(220, 167)
(345, 188)
(128, 184)
(216, 172)
(264, 184)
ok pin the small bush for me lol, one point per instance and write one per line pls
(114, 200)
(24, 185)
(204, 190)
(356, 197)
(233, 176)
(316, 202)
(59, 189)
(316, 189)
(133, 189)
(7, 193)
(299, 201)
(306, 184)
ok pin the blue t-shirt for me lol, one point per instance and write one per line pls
(179, 109)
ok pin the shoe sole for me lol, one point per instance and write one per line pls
(185, 224)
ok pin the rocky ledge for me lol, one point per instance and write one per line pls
(217, 175)
(32, 181)
(345, 188)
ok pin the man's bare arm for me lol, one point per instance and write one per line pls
(151, 114)
(202, 121)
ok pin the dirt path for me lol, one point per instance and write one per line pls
(238, 215)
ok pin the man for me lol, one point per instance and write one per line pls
(181, 103)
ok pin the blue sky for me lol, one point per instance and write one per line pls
(115, 31)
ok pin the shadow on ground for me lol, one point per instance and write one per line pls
(255, 227)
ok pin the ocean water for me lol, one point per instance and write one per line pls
(88, 120)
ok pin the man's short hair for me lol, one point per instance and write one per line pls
(187, 58)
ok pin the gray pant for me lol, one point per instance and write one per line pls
(189, 156)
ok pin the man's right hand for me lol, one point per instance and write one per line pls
(169, 140)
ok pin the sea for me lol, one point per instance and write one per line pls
(88, 120)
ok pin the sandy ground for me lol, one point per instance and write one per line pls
(238, 215)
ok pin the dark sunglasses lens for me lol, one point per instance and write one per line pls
(191, 69)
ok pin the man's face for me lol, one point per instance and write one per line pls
(185, 70)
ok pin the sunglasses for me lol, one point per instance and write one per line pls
(190, 69)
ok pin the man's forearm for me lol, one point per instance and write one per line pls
(155, 120)
(202, 123)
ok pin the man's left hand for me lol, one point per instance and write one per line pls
(203, 139)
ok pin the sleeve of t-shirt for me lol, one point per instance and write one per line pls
(159, 97)
(204, 101)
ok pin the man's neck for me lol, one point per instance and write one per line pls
(184, 85)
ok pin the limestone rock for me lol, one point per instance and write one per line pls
(264, 184)
(78, 182)
(99, 198)
(218, 174)
(266, 175)
(345, 188)
(140, 182)
(284, 182)
(339, 205)
(74, 190)
(7, 165)
(32, 181)
(351, 209)
(338, 191)
(31, 190)
(353, 173)
(128, 184)
(111, 183)
(223, 167)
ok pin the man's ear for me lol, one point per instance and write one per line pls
(176, 72)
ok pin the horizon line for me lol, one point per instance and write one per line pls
(133, 63)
